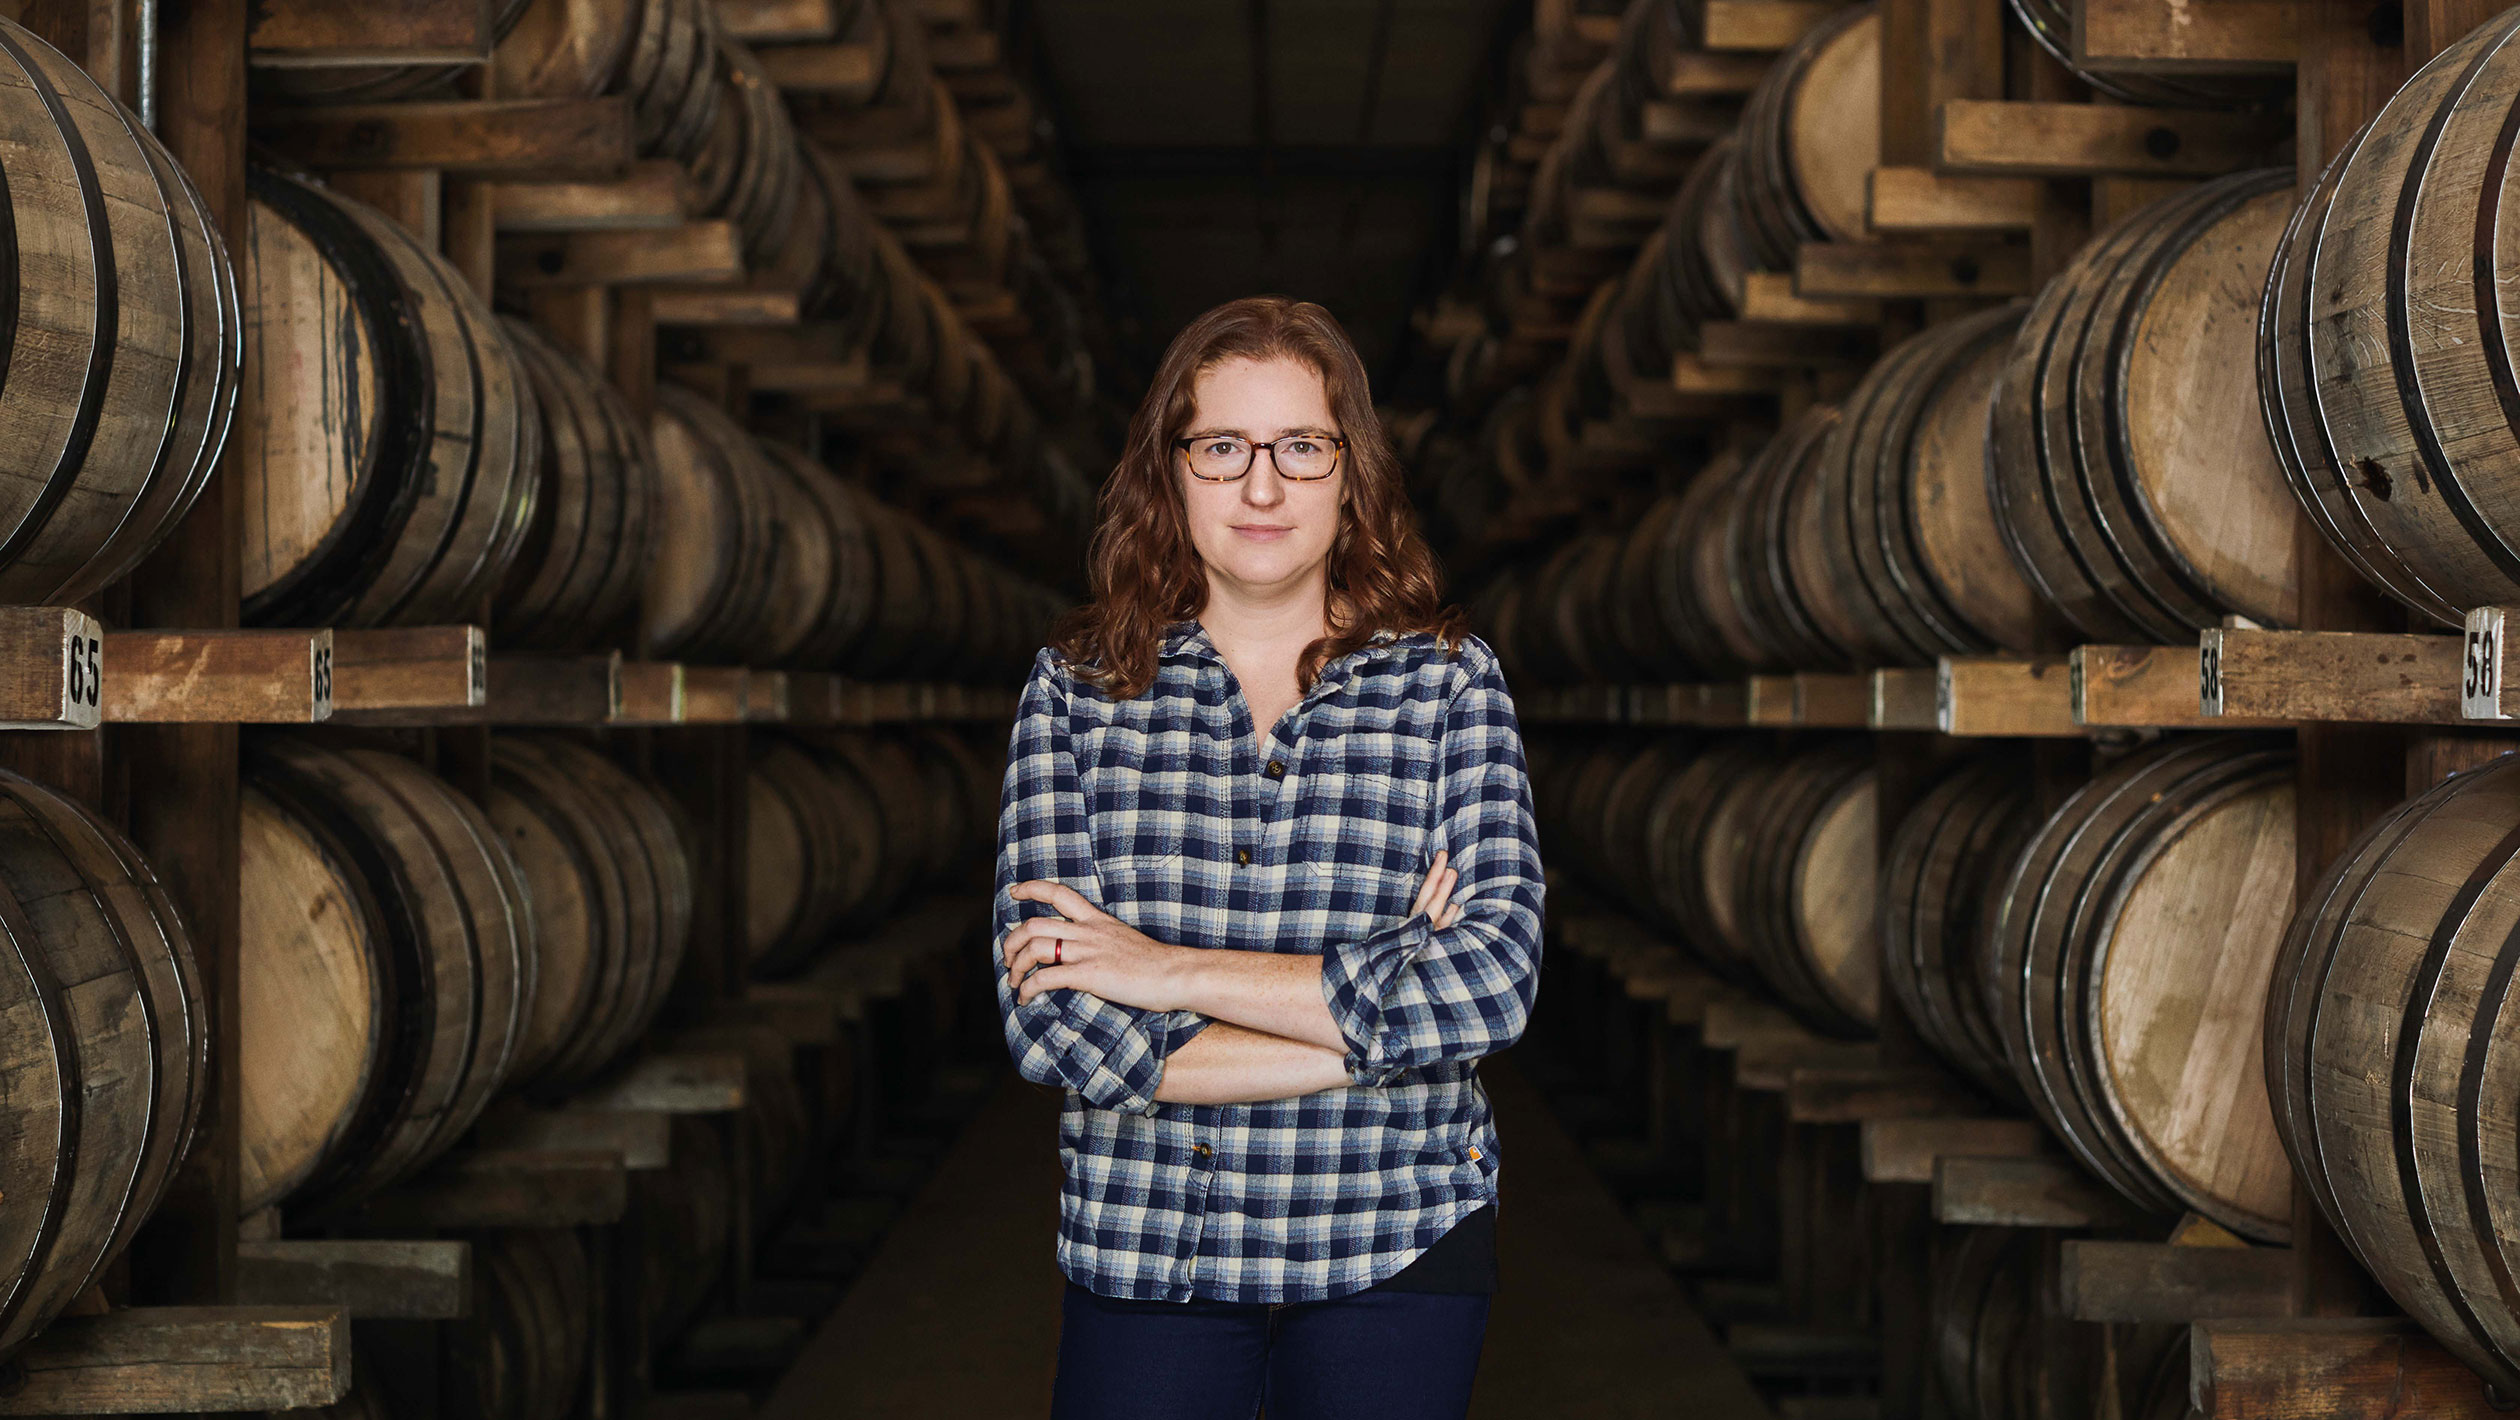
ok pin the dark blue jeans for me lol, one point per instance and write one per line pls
(1379, 1354)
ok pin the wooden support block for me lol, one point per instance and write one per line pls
(2224, 37)
(508, 1188)
(1832, 702)
(1903, 1150)
(1770, 297)
(1685, 124)
(411, 667)
(707, 251)
(2158, 1282)
(555, 690)
(1734, 343)
(651, 693)
(1768, 701)
(1919, 202)
(725, 306)
(655, 194)
(813, 699)
(2027, 139)
(2024, 1192)
(1768, 1065)
(765, 22)
(1910, 271)
(366, 1278)
(276, 677)
(183, 1359)
(282, 34)
(845, 73)
(1693, 75)
(2335, 1368)
(2352, 676)
(1906, 699)
(765, 347)
(715, 695)
(1761, 26)
(2486, 690)
(52, 661)
(1693, 376)
(813, 377)
(1735, 1019)
(1721, 704)
(641, 1138)
(766, 697)
(2004, 695)
(805, 1013)
(475, 137)
(683, 1082)
(1827, 1095)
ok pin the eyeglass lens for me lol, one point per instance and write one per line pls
(1224, 456)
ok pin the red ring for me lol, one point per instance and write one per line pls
(1058, 952)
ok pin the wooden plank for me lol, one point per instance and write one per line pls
(1903, 1149)
(764, 22)
(1693, 376)
(1736, 343)
(2333, 1368)
(707, 251)
(766, 697)
(2033, 1191)
(482, 137)
(1768, 1065)
(410, 667)
(682, 1082)
(1733, 1020)
(654, 194)
(1721, 704)
(52, 661)
(1919, 202)
(1694, 75)
(726, 306)
(183, 1359)
(1761, 26)
(1905, 699)
(1768, 701)
(508, 1188)
(1836, 702)
(714, 695)
(2022, 138)
(2343, 676)
(1910, 271)
(1837, 1095)
(283, 34)
(2223, 37)
(651, 693)
(2156, 687)
(367, 1278)
(2004, 695)
(846, 73)
(281, 677)
(641, 1138)
(1770, 296)
(2160, 1282)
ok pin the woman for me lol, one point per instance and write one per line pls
(1264, 964)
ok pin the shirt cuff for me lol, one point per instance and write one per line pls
(1355, 978)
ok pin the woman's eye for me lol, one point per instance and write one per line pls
(1303, 448)
(1221, 448)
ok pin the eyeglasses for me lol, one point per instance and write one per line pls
(1222, 458)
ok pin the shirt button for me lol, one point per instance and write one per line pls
(1243, 856)
(1199, 1149)
(1277, 769)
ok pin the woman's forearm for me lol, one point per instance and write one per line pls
(1275, 993)
(1227, 1064)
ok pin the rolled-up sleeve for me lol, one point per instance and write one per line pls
(1111, 1054)
(1410, 995)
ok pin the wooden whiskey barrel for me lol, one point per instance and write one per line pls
(2131, 947)
(387, 966)
(1810, 138)
(121, 339)
(394, 460)
(522, 1351)
(687, 1213)
(375, 83)
(2000, 1350)
(1939, 881)
(104, 1033)
(2389, 1056)
(1805, 887)
(2132, 477)
(2385, 368)
(578, 566)
(723, 512)
(1699, 832)
(661, 55)
(609, 885)
(2051, 23)
(1896, 548)
(812, 852)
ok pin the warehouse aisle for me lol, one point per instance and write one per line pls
(957, 1315)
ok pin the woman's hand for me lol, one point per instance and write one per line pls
(1433, 896)
(1089, 949)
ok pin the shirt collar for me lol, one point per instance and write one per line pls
(1188, 640)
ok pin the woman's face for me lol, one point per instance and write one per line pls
(1261, 531)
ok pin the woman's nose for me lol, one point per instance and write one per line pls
(1262, 488)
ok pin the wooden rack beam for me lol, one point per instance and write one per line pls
(507, 1188)
(410, 668)
(1919, 202)
(1905, 699)
(218, 677)
(366, 1278)
(2104, 1280)
(564, 138)
(183, 1360)
(2016, 138)
(286, 34)
(2032, 1191)
(2337, 1368)
(654, 194)
(1904, 1149)
(1910, 271)
(51, 668)
(683, 1082)
(651, 693)
(2331, 676)
(2004, 695)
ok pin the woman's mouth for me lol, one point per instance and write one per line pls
(1262, 532)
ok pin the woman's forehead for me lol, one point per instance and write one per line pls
(1282, 390)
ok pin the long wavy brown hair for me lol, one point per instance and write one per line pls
(1145, 571)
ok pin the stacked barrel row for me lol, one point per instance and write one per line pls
(2102, 964)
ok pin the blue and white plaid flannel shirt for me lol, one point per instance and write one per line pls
(1164, 811)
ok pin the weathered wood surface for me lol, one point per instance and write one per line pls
(2155, 1282)
(1903, 1149)
(366, 1278)
(185, 1359)
(239, 677)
